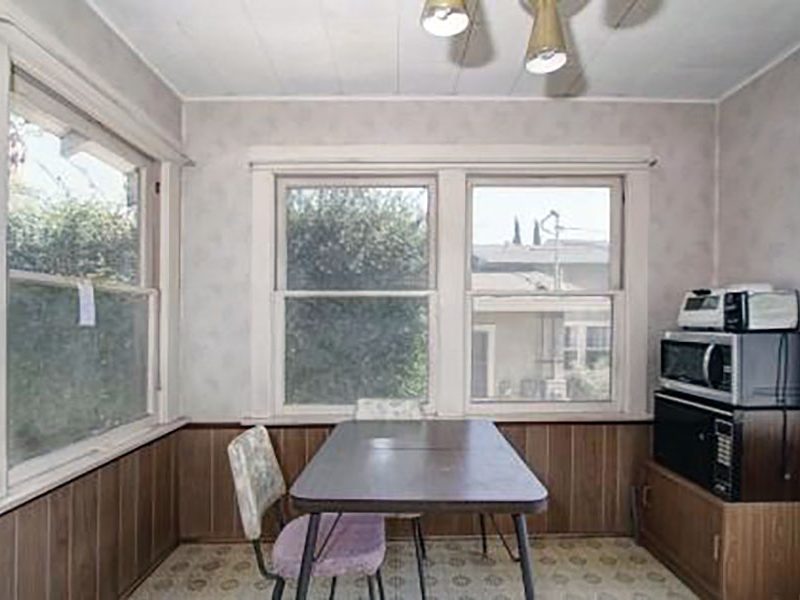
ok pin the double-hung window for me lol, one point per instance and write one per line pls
(493, 285)
(82, 300)
(354, 290)
(545, 266)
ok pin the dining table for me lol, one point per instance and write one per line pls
(428, 467)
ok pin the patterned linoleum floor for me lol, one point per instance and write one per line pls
(565, 569)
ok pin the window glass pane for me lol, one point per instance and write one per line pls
(357, 238)
(67, 382)
(531, 362)
(541, 238)
(339, 350)
(480, 364)
(70, 213)
(598, 337)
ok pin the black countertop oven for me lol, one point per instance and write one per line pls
(739, 454)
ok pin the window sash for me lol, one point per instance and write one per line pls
(483, 406)
(281, 292)
(284, 407)
(284, 183)
(38, 465)
(614, 402)
(25, 94)
(614, 184)
(38, 104)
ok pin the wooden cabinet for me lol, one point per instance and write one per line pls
(724, 551)
(683, 527)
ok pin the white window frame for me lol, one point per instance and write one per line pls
(42, 107)
(452, 164)
(582, 348)
(83, 89)
(615, 292)
(281, 293)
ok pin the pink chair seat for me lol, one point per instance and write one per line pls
(356, 547)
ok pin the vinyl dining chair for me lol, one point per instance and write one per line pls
(378, 409)
(351, 544)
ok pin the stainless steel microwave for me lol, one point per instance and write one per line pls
(740, 369)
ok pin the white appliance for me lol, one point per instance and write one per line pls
(740, 309)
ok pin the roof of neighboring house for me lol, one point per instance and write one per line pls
(569, 252)
(522, 281)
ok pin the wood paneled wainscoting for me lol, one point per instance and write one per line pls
(97, 536)
(588, 468)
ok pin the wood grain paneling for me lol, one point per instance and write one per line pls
(83, 539)
(98, 535)
(108, 523)
(92, 538)
(684, 526)
(144, 509)
(589, 479)
(60, 507)
(723, 550)
(224, 515)
(165, 525)
(766, 536)
(32, 549)
(560, 482)
(8, 537)
(588, 469)
(128, 499)
(195, 483)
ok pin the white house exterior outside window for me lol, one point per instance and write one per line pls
(545, 270)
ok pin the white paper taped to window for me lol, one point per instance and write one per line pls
(87, 316)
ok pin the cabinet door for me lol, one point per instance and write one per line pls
(685, 524)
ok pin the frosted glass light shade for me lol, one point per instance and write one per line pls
(546, 62)
(445, 18)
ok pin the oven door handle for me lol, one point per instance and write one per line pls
(707, 364)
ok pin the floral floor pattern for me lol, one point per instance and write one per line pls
(564, 569)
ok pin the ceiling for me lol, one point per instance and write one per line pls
(668, 49)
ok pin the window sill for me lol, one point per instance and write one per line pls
(28, 490)
(521, 417)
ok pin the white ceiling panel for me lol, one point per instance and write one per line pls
(495, 51)
(366, 54)
(670, 49)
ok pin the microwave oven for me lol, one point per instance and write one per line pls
(739, 369)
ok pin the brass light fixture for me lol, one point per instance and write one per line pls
(445, 18)
(547, 51)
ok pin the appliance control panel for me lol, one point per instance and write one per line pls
(724, 458)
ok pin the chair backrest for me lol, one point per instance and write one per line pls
(378, 409)
(257, 477)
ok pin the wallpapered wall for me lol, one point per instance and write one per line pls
(216, 218)
(759, 179)
(78, 28)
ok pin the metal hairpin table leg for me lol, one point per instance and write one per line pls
(524, 555)
(379, 579)
(308, 556)
(484, 544)
(420, 567)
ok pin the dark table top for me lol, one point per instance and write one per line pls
(418, 466)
